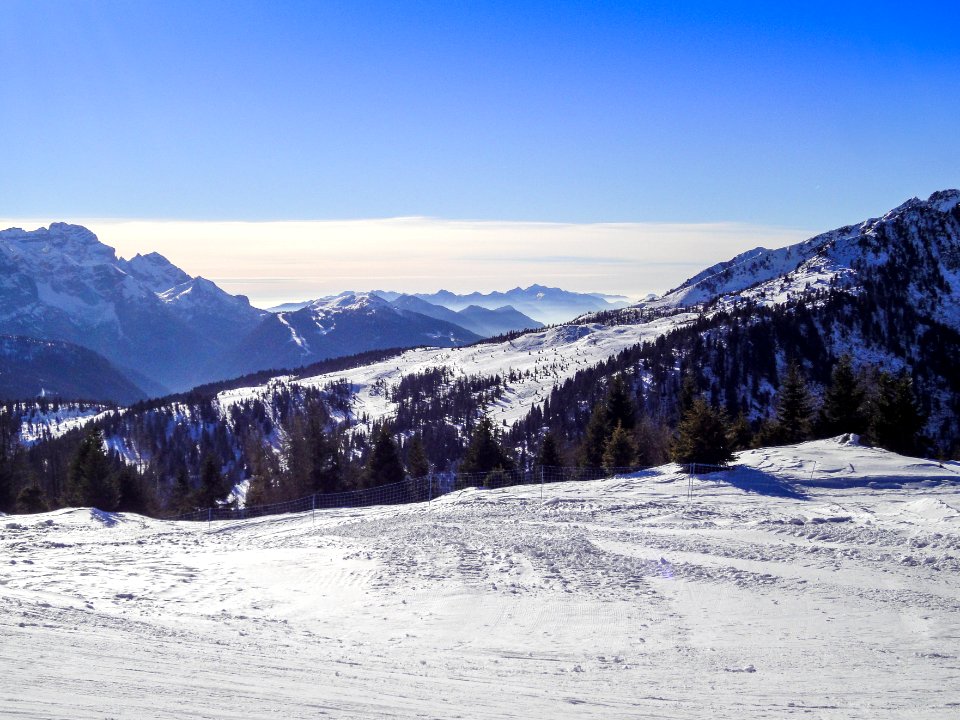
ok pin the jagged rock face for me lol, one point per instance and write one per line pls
(62, 283)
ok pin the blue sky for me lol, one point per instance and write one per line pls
(804, 117)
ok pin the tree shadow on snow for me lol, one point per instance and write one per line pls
(756, 481)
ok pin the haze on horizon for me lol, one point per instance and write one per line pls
(289, 150)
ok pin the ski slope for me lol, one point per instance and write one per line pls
(551, 356)
(780, 589)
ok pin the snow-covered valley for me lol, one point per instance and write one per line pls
(818, 580)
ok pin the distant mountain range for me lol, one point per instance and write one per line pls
(545, 304)
(531, 307)
(163, 330)
(886, 291)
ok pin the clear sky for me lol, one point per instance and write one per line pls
(766, 115)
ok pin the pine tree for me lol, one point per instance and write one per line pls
(653, 442)
(549, 455)
(384, 466)
(484, 453)
(702, 436)
(620, 450)
(843, 402)
(620, 406)
(595, 438)
(794, 407)
(213, 488)
(326, 472)
(133, 496)
(264, 471)
(7, 485)
(31, 500)
(418, 465)
(181, 499)
(741, 434)
(688, 393)
(897, 419)
(90, 481)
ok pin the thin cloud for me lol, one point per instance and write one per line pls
(293, 260)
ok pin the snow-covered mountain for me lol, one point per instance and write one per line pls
(918, 242)
(480, 320)
(544, 304)
(920, 236)
(167, 331)
(148, 317)
(885, 290)
(344, 324)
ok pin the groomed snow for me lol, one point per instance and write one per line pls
(763, 594)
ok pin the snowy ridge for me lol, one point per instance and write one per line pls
(37, 422)
(62, 283)
(544, 357)
(835, 258)
(652, 595)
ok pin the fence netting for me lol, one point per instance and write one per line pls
(415, 490)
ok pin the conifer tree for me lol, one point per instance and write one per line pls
(132, 494)
(264, 471)
(620, 406)
(384, 466)
(702, 436)
(31, 500)
(741, 434)
(595, 438)
(91, 479)
(620, 450)
(7, 486)
(653, 442)
(484, 453)
(418, 465)
(213, 488)
(181, 499)
(897, 419)
(549, 455)
(843, 402)
(794, 407)
(688, 393)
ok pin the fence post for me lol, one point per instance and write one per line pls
(430, 487)
(209, 517)
(313, 508)
(541, 482)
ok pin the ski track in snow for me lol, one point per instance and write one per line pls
(621, 598)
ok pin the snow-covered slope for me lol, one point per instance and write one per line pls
(923, 235)
(40, 421)
(748, 594)
(145, 314)
(538, 360)
(344, 324)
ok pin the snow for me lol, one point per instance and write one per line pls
(620, 598)
(294, 336)
(551, 356)
(36, 423)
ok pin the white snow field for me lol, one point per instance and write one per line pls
(779, 589)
